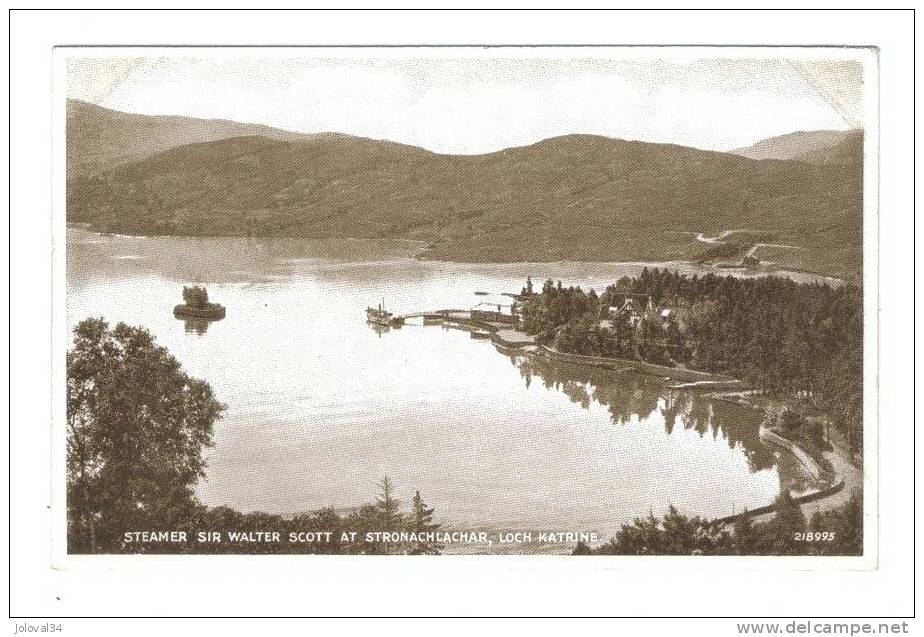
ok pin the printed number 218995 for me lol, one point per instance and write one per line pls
(814, 536)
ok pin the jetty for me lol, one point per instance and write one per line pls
(488, 325)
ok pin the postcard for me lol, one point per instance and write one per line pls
(590, 301)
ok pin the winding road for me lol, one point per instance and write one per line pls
(718, 240)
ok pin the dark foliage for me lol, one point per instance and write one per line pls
(779, 336)
(196, 296)
(838, 531)
(137, 427)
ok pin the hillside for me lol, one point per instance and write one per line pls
(817, 147)
(845, 151)
(577, 197)
(99, 138)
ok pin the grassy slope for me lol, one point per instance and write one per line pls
(100, 138)
(575, 197)
(817, 147)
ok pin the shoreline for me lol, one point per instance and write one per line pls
(691, 376)
(847, 475)
(838, 481)
(696, 379)
(422, 245)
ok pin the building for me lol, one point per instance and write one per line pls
(672, 316)
(629, 307)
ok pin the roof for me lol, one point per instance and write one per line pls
(493, 299)
(633, 295)
(629, 305)
(485, 306)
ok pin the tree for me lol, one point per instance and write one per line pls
(528, 290)
(744, 534)
(422, 522)
(136, 428)
(388, 506)
(844, 524)
(780, 532)
(196, 296)
(674, 534)
(788, 513)
(582, 549)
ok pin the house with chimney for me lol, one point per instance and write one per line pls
(628, 307)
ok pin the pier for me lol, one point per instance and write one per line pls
(501, 333)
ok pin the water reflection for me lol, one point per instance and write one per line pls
(245, 260)
(635, 397)
(196, 326)
(379, 329)
(632, 399)
(320, 405)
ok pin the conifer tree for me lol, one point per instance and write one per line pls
(388, 506)
(422, 522)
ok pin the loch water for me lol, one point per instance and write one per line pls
(321, 405)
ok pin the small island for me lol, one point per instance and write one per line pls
(197, 305)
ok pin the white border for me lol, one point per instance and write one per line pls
(518, 584)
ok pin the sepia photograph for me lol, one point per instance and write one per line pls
(466, 300)
(449, 321)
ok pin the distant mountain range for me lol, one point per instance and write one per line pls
(99, 138)
(816, 147)
(576, 197)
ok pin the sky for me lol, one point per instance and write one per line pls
(467, 105)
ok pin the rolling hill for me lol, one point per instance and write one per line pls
(99, 138)
(816, 147)
(576, 197)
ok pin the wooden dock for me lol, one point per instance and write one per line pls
(501, 333)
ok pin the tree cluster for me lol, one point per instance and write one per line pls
(137, 427)
(781, 337)
(196, 296)
(838, 531)
(345, 532)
